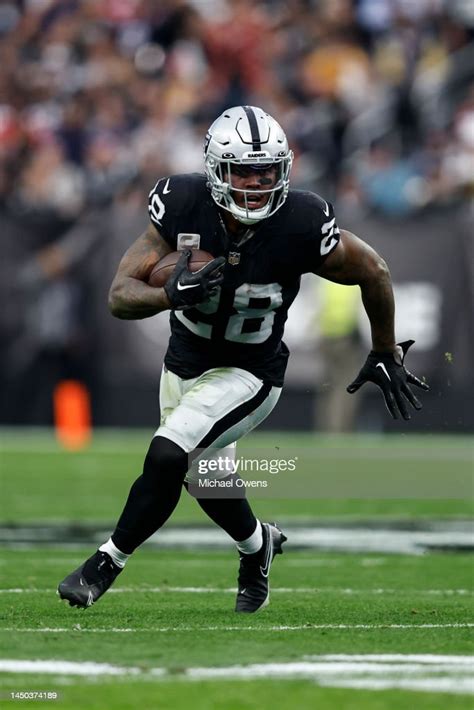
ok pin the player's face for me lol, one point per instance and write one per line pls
(256, 181)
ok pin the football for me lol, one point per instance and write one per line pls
(164, 268)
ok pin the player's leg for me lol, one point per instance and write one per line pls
(234, 515)
(190, 417)
(217, 408)
(153, 496)
(152, 499)
(257, 543)
(223, 405)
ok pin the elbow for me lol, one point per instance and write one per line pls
(114, 302)
(381, 269)
(378, 270)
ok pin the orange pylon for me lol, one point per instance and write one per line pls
(72, 414)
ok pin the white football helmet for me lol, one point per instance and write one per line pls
(246, 135)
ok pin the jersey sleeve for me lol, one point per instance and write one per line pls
(322, 236)
(172, 201)
(161, 210)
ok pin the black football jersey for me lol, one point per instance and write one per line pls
(242, 325)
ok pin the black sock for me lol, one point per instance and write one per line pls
(234, 515)
(153, 496)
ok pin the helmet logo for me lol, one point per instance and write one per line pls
(228, 155)
(257, 155)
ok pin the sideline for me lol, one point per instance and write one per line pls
(366, 536)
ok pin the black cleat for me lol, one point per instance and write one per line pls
(88, 582)
(253, 584)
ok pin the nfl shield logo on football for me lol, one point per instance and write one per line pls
(234, 258)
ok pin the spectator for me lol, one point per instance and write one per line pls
(341, 349)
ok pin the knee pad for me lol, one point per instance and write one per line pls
(165, 458)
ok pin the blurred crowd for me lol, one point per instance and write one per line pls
(376, 95)
(100, 98)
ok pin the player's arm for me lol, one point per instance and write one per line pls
(130, 297)
(355, 262)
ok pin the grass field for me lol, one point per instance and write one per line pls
(40, 482)
(353, 631)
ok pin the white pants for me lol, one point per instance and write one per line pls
(213, 411)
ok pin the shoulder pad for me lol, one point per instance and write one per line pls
(310, 219)
(310, 204)
(174, 195)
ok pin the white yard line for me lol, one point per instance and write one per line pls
(451, 674)
(257, 629)
(322, 666)
(232, 590)
(398, 657)
(65, 668)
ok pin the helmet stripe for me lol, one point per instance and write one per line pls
(253, 128)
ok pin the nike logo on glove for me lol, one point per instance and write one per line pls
(183, 287)
(382, 366)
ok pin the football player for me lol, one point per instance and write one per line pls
(224, 367)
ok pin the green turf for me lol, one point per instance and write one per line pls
(229, 695)
(175, 630)
(353, 590)
(38, 478)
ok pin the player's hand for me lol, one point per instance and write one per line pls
(388, 372)
(185, 289)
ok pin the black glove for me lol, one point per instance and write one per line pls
(185, 289)
(388, 372)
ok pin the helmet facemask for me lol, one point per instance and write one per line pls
(220, 178)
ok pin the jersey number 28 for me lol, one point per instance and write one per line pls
(251, 319)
